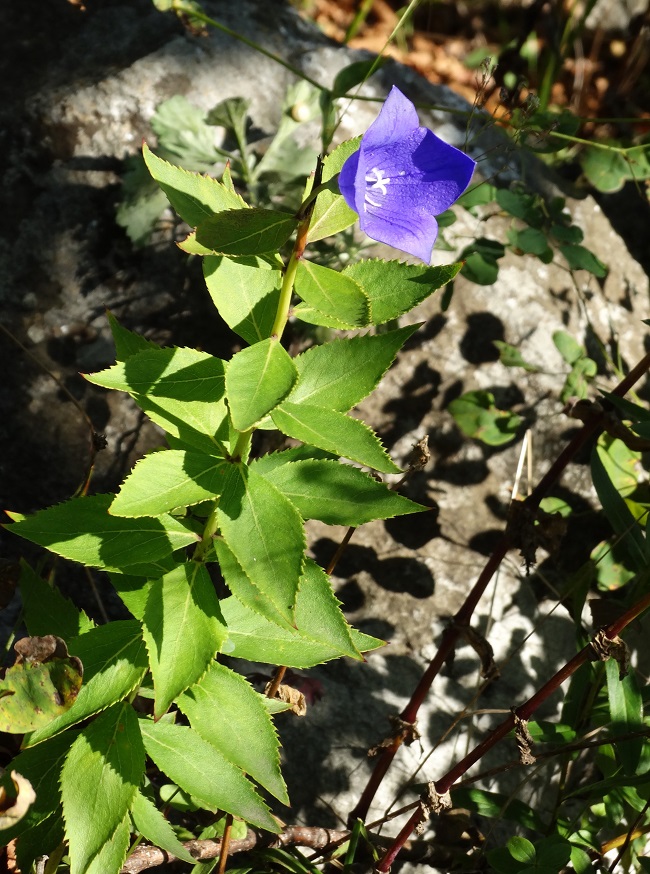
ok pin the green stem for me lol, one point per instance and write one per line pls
(209, 530)
(286, 290)
(243, 445)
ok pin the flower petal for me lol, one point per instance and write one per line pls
(402, 177)
(397, 119)
(347, 184)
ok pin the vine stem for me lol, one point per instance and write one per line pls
(462, 618)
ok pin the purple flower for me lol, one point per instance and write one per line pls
(401, 177)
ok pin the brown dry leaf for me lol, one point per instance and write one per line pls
(295, 699)
(14, 807)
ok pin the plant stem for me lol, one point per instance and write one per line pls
(462, 618)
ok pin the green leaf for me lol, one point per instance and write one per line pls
(531, 241)
(227, 712)
(182, 390)
(522, 850)
(265, 534)
(354, 74)
(182, 130)
(332, 293)
(331, 213)
(195, 198)
(520, 205)
(567, 233)
(338, 494)
(246, 292)
(82, 530)
(257, 379)
(320, 634)
(200, 769)
(343, 372)
(246, 231)
(626, 714)
(127, 343)
(477, 417)
(580, 258)
(112, 855)
(494, 805)
(183, 629)
(38, 688)
(99, 781)
(153, 826)
(46, 611)
(617, 511)
(568, 347)
(478, 195)
(510, 356)
(115, 661)
(231, 113)
(394, 288)
(608, 170)
(312, 316)
(334, 432)
(167, 479)
(243, 588)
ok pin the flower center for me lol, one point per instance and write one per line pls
(375, 181)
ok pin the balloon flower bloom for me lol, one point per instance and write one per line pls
(402, 177)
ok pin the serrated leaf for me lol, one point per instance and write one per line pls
(127, 343)
(46, 611)
(152, 825)
(34, 692)
(331, 213)
(334, 432)
(257, 379)
(112, 855)
(321, 633)
(246, 293)
(394, 288)
(312, 316)
(265, 534)
(252, 231)
(343, 372)
(115, 661)
(182, 130)
(183, 629)
(195, 198)
(243, 588)
(167, 479)
(338, 494)
(180, 389)
(332, 293)
(110, 755)
(82, 530)
(227, 712)
(202, 771)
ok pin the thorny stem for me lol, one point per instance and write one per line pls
(524, 712)
(462, 618)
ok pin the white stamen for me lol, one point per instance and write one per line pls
(376, 180)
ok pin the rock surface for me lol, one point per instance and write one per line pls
(63, 260)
